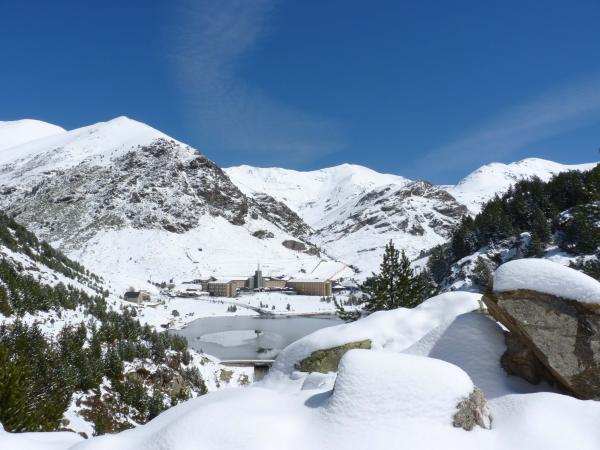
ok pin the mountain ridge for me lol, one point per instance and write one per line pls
(115, 186)
(136, 205)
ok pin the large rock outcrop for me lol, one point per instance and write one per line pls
(550, 337)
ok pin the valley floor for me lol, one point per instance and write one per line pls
(160, 313)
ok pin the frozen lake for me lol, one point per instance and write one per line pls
(250, 337)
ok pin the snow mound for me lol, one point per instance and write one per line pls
(59, 440)
(547, 277)
(393, 330)
(392, 387)
(17, 132)
(475, 343)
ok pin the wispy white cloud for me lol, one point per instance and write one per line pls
(556, 112)
(213, 38)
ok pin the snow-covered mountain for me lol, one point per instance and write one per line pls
(355, 211)
(16, 132)
(317, 196)
(495, 178)
(135, 205)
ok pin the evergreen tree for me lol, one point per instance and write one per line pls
(580, 234)
(464, 240)
(438, 263)
(396, 285)
(344, 314)
(540, 234)
(5, 308)
(13, 395)
(483, 273)
(113, 365)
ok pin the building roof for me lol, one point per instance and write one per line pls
(308, 280)
(220, 281)
(132, 294)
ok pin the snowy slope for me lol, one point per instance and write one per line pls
(136, 205)
(17, 132)
(495, 178)
(317, 196)
(355, 211)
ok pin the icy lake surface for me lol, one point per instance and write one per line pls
(250, 337)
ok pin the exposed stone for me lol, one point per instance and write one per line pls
(327, 360)
(561, 335)
(294, 245)
(472, 411)
(263, 234)
(519, 360)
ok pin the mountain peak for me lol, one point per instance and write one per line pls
(97, 144)
(495, 178)
(18, 132)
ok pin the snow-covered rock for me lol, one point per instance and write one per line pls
(552, 314)
(548, 277)
(391, 387)
(393, 330)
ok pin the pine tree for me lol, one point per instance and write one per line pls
(5, 308)
(438, 263)
(345, 315)
(13, 395)
(464, 241)
(540, 234)
(483, 273)
(396, 285)
(113, 365)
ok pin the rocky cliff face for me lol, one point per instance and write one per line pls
(149, 187)
(411, 209)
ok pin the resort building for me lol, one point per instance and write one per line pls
(275, 283)
(221, 288)
(137, 296)
(311, 287)
(238, 283)
(229, 287)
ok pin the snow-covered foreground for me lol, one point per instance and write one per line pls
(401, 394)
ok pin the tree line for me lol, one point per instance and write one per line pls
(564, 211)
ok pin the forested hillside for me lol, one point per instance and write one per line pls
(103, 365)
(557, 219)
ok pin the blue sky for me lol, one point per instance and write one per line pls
(423, 89)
